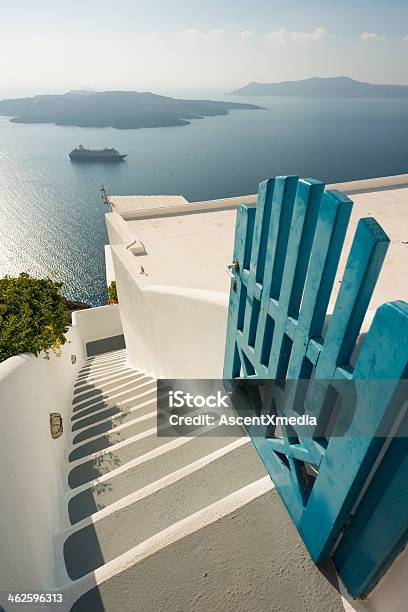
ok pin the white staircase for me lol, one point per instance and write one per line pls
(152, 517)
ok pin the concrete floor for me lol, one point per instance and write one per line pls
(251, 559)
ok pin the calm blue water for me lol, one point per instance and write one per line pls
(51, 214)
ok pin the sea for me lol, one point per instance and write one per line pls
(52, 213)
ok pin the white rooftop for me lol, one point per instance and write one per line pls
(188, 244)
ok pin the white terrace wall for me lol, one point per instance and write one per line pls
(97, 323)
(170, 332)
(32, 464)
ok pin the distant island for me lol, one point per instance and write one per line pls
(117, 109)
(316, 87)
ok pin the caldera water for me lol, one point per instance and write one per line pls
(52, 214)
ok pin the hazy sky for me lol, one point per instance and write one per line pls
(186, 45)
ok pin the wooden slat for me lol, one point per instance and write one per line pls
(363, 267)
(350, 458)
(258, 251)
(302, 233)
(331, 228)
(328, 238)
(379, 529)
(281, 215)
(242, 249)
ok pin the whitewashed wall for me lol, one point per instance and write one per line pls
(170, 332)
(32, 464)
(97, 323)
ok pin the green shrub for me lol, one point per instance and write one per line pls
(112, 293)
(31, 316)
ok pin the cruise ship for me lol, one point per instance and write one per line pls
(82, 153)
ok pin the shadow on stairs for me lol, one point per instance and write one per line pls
(181, 523)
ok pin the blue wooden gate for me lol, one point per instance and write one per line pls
(285, 354)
